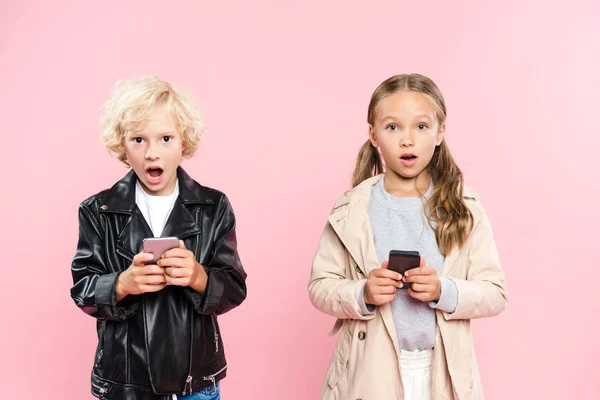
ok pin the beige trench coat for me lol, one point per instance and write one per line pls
(366, 361)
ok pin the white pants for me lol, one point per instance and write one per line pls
(416, 374)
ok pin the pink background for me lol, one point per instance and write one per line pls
(284, 87)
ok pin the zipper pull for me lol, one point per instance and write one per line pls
(100, 353)
(214, 325)
(214, 382)
(188, 382)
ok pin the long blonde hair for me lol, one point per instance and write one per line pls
(445, 208)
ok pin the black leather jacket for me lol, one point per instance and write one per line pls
(156, 344)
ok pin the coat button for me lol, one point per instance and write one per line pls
(104, 207)
(362, 335)
(358, 269)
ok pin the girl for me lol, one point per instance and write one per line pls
(406, 336)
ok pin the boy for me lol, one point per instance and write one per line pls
(157, 322)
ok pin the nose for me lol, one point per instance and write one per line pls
(152, 152)
(407, 139)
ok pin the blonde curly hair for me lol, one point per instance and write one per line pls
(132, 102)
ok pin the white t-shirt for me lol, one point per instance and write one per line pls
(155, 209)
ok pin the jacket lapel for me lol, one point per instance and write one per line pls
(354, 230)
(181, 223)
(449, 261)
(184, 221)
(351, 223)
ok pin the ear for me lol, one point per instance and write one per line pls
(373, 136)
(440, 135)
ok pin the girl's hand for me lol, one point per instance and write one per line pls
(425, 282)
(381, 285)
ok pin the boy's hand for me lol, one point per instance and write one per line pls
(182, 269)
(425, 282)
(140, 278)
(382, 285)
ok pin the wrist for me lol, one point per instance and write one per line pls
(199, 283)
(438, 293)
(120, 292)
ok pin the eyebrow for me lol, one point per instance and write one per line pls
(420, 116)
(142, 133)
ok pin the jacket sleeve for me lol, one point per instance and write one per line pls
(329, 289)
(483, 292)
(93, 285)
(226, 287)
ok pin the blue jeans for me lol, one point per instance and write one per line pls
(208, 393)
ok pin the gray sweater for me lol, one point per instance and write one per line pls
(400, 224)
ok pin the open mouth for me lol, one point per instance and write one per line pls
(154, 174)
(408, 160)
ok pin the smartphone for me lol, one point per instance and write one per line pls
(401, 261)
(157, 246)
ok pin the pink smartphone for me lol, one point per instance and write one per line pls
(157, 246)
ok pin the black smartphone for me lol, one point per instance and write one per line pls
(401, 261)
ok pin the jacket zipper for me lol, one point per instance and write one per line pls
(100, 389)
(99, 358)
(198, 235)
(212, 377)
(188, 380)
(212, 318)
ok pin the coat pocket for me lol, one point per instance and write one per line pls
(339, 360)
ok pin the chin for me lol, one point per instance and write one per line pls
(406, 174)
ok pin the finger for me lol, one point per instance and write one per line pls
(182, 245)
(177, 281)
(141, 258)
(177, 272)
(382, 282)
(417, 278)
(379, 290)
(150, 279)
(151, 269)
(424, 270)
(386, 273)
(421, 288)
(422, 263)
(422, 296)
(153, 288)
(177, 252)
(384, 265)
(174, 262)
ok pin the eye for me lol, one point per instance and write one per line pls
(421, 127)
(392, 127)
(138, 140)
(167, 139)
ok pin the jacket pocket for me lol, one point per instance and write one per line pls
(339, 360)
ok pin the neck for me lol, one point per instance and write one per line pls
(165, 191)
(401, 186)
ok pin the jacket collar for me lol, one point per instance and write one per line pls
(350, 220)
(121, 197)
(181, 223)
